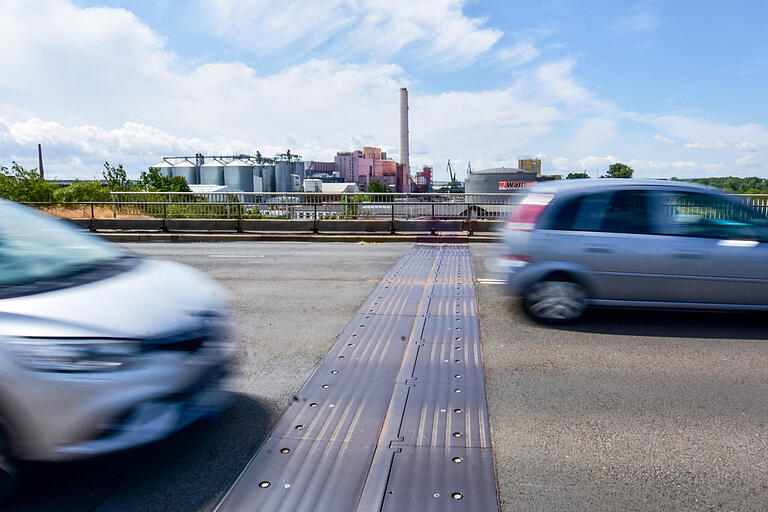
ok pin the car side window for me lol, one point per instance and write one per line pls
(566, 214)
(709, 216)
(627, 212)
(583, 213)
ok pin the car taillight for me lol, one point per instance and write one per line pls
(524, 216)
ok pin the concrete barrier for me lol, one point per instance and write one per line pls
(283, 225)
(275, 225)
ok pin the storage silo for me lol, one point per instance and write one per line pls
(212, 173)
(268, 177)
(283, 170)
(164, 167)
(186, 170)
(238, 174)
(257, 177)
(298, 170)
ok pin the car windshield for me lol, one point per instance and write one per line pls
(34, 247)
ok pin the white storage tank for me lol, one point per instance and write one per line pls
(212, 173)
(238, 174)
(186, 170)
(298, 169)
(268, 177)
(164, 167)
(283, 170)
(257, 185)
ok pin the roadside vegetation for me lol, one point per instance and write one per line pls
(753, 185)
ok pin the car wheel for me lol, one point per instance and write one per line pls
(8, 472)
(555, 301)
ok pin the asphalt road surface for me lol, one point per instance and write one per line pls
(624, 411)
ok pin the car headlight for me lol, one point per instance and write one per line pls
(73, 355)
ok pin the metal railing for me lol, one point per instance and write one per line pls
(300, 205)
(307, 206)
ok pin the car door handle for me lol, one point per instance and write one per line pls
(599, 250)
(689, 255)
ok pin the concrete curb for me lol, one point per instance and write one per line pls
(458, 238)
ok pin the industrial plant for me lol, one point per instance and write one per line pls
(241, 173)
(350, 170)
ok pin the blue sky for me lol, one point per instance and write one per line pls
(672, 88)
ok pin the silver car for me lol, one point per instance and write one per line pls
(100, 350)
(632, 243)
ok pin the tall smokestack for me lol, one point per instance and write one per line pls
(404, 156)
(40, 160)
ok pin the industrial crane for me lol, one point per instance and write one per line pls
(454, 186)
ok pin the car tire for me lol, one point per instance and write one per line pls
(8, 471)
(555, 301)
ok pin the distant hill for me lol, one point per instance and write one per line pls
(734, 185)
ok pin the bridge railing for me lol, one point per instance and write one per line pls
(301, 205)
(306, 206)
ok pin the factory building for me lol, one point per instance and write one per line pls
(530, 165)
(361, 167)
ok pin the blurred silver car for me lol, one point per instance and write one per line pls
(100, 350)
(632, 243)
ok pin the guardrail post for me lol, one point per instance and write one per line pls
(469, 221)
(165, 216)
(392, 225)
(114, 208)
(239, 217)
(90, 224)
(314, 222)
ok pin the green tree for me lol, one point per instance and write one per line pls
(116, 177)
(577, 176)
(22, 185)
(152, 181)
(377, 188)
(619, 170)
(81, 192)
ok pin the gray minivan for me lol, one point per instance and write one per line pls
(633, 243)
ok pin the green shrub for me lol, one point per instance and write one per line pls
(152, 181)
(21, 185)
(82, 191)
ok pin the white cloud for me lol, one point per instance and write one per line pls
(436, 28)
(519, 54)
(750, 161)
(641, 18)
(704, 134)
(98, 84)
(122, 95)
(665, 140)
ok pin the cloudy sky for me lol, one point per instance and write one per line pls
(672, 88)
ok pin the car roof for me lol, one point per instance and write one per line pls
(559, 186)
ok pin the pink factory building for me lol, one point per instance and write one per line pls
(361, 167)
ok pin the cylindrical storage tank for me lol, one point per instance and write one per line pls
(212, 173)
(257, 178)
(298, 170)
(268, 177)
(164, 167)
(238, 174)
(283, 170)
(186, 170)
